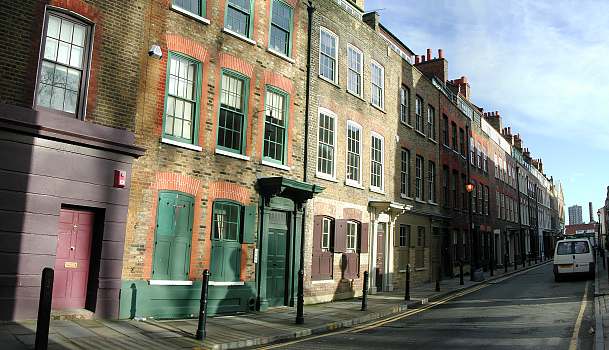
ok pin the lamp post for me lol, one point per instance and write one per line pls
(469, 187)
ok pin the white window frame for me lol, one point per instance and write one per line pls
(348, 181)
(329, 233)
(361, 71)
(352, 249)
(373, 85)
(331, 33)
(331, 177)
(380, 137)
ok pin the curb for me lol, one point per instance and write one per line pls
(599, 338)
(332, 326)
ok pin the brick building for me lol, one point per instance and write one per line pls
(220, 185)
(69, 94)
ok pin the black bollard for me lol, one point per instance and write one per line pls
(506, 262)
(407, 287)
(203, 310)
(44, 309)
(365, 292)
(438, 279)
(461, 273)
(300, 301)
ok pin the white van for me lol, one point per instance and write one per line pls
(573, 256)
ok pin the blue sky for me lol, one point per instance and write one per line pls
(541, 64)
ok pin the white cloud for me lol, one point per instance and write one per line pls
(542, 64)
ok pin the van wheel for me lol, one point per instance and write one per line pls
(557, 278)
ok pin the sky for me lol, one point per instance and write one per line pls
(541, 64)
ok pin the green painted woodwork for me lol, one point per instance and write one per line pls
(246, 93)
(197, 99)
(173, 236)
(226, 242)
(139, 299)
(276, 267)
(249, 224)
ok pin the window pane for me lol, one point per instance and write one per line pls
(63, 53)
(53, 27)
(44, 95)
(76, 56)
(66, 31)
(79, 35)
(50, 49)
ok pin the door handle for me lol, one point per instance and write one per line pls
(71, 248)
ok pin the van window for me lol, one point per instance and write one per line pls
(564, 248)
(581, 247)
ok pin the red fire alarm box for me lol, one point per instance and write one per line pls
(120, 178)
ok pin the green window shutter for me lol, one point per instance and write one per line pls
(217, 260)
(249, 224)
(180, 249)
(173, 236)
(164, 235)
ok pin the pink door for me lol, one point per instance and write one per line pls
(72, 259)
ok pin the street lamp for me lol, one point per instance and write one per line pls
(470, 187)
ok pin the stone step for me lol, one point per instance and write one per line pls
(71, 314)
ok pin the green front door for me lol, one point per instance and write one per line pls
(276, 259)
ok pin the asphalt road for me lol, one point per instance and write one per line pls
(526, 311)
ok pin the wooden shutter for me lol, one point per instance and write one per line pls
(179, 262)
(163, 235)
(317, 230)
(249, 224)
(340, 236)
(363, 239)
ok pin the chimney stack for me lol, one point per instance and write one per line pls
(433, 67)
(494, 119)
(591, 215)
(429, 54)
(440, 53)
(417, 59)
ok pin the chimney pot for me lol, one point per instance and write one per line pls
(417, 59)
(463, 79)
(422, 58)
(429, 54)
(440, 53)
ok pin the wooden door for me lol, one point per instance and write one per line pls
(72, 259)
(380, 256)
(276, 264)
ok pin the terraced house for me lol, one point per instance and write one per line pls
(69, 75)
(147, 141)
(221, 119)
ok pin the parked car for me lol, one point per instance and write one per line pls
(573, 256)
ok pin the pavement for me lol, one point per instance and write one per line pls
(229, 332)
(528, 310)
(601, 305)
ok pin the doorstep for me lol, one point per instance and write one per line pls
(71, 314)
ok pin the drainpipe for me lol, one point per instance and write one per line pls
(300, 296)
(520, 235)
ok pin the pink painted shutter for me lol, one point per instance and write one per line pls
(363, 239)
(340, 236)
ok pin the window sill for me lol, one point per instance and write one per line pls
(420, 268)
(420, 133)
(407, 124)
(231, 154)
(378, 107)
(325, 177)
(239, 36)
(187, 13)
(354, 185)
(403, 196)
(226, 284)
(361, 97)
(420, 201)
(377, 190)
(274, 165)
(181, 144)
(169, 283)
(280, 55)
(432, 203)
(432, 140)
(334, 83)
